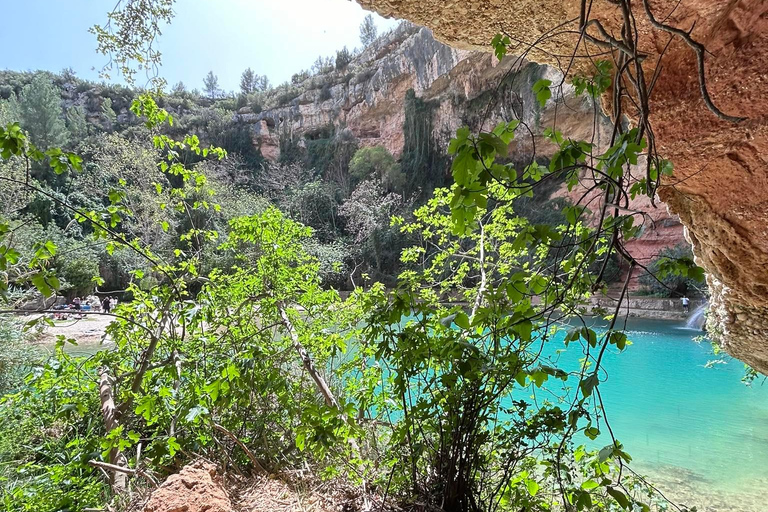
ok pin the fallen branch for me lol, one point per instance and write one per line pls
(306, 360)
(121, 469)
(248, 452)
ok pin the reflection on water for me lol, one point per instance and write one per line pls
(698, 430)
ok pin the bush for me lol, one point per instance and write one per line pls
(343, 58)
(14, 356)
(662, 283)
(78, 274)
(299, 77)
(378, 162)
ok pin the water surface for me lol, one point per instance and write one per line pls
(699, 431)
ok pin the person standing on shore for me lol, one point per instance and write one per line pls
(106, 304)
(686, 303)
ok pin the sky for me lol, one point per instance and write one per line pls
(276, 38)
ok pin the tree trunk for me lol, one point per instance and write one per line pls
(306, 360)
(109, 413)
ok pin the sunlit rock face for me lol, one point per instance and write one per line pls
(720, 185)
(460, 85)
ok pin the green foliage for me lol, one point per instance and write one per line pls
(211, 85)
(425, 388)
(128, 35)
(76, 123)
(368, 31)
(49, 431)
(15, 360)
(78, 273)
(597, 84)
(460, 375)
(40, 112)
(377, 163)
(343, 58)
(673, 273)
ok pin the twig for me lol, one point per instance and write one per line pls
(248, 452)
(121, 469)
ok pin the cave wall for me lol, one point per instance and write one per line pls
(720, 185)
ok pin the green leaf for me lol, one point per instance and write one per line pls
(541, 90)
(532, 486)
(173, 446)
(619, 496)
(39, 282)
(588, 384)
(462, 320)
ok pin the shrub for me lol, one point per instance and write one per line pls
(78, 274)
(14, 356)
(663, 283)
(325, 93)
(343, 58)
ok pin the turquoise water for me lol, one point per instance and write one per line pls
(700, 432)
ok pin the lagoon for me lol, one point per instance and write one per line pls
(697, 430)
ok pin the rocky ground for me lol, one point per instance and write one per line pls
(199, 487)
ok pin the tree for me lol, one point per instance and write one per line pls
(368, 31)
(211, 85)
(343, 58)
(108, 112)
(77, 123)
(367, 212)
(378, 163)
(248, 82)
(668, 275)
(40, 112)
(262, 83)
(179, 89)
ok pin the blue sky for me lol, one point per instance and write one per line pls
(273, 37)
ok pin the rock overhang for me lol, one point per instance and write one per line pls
(720, 184)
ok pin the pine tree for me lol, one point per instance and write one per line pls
(179, 89)
(368, 31)
(211, 84)
(262, 83)
(41, 114)
(77, 123)
(248, 81)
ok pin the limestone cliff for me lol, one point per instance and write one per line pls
(369, 99)
(720, 185)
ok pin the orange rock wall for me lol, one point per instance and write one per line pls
(720, 185)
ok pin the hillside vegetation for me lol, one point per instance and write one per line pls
(427, 386)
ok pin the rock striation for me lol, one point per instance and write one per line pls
(720, 185)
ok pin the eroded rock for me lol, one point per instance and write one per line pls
(196, 488)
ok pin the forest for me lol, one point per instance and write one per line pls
(423, 384)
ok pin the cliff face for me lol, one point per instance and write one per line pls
(370, 100)
(461, 84)
(720, 185)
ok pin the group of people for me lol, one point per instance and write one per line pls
(78, 305)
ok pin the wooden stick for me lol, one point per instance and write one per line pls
(248, 452)
(122, 469)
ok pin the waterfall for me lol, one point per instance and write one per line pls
(696, 320)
